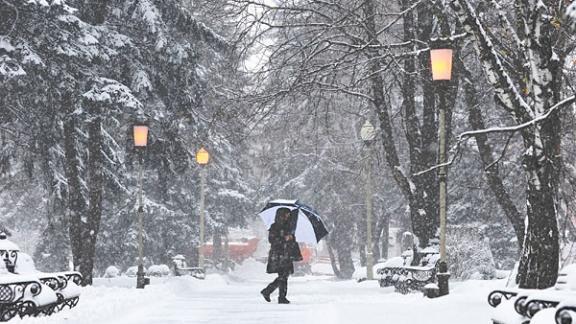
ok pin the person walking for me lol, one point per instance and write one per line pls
(283, 251)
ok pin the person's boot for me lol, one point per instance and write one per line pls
(266, 294)
(283, 300)
(269, 289)
(283, 291)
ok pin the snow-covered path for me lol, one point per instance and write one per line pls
(233, 299)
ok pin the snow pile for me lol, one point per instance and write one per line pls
(251, 269)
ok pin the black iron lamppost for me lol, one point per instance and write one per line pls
(202, 158)
(140, 143)
(367, 133)
(441, 62)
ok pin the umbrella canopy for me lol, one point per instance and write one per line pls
(308, 226)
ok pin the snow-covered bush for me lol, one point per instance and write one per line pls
(160, 270)
(111, 272)
(131, 272)
(469, 254)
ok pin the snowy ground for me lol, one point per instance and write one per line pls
(235, 299)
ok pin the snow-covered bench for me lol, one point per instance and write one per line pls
(399, 273)
(24, 291)
(181, 268)
(522, 305)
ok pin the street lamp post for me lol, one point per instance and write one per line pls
(140, 143)
(441, 62)
(368, 134)
(202, 158)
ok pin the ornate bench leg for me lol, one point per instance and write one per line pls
(8, 312)
(26, 308)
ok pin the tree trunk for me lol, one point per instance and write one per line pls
(414, 198)
(376, 236)
(542, 158)
(95, 192)
(340, 241)
(423, 215)
(218, 250)
(429, 129)
(539, 261)
(345, 262)
(52, 252)
(76, 202)
(333, 261)
(383, 234)
(362, 254)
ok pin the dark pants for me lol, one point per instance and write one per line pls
(281, 282)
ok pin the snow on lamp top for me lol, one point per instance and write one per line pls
(441, 61)
(367, 133)
(7, 245)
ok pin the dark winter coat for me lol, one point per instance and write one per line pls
(282, 252)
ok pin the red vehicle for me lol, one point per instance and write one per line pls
(244, 249)
(238, 251)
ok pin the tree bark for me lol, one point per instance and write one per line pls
(542, 163)
(54, 240)
(218, 251)
(540, 256)
(335, 267)
(381, 236)
(429, 129)
(423, 223)
(346, 263)
(340, 245)
(76, 202)
(95, 191)
(424, 215)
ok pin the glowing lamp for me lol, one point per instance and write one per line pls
(140, 135)
(441, 61)
(202, 156)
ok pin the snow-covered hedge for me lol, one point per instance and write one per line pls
(131, 272)
(160, 270)
(111, 272)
